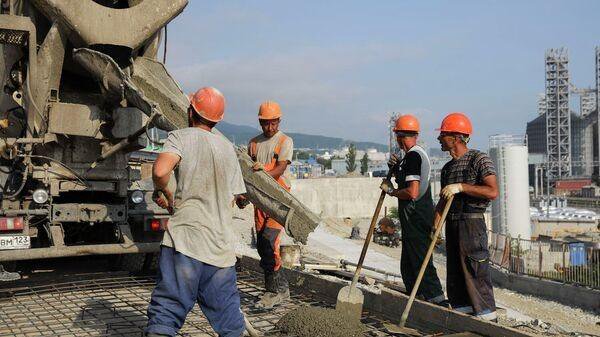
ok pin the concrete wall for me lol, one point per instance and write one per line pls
(561, 228)
(341, 197)
(585, 298)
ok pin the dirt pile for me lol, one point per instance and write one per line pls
(319, 322)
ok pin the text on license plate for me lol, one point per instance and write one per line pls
(14, 242)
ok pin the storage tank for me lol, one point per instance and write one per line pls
(510, 211)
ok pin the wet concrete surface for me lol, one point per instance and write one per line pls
(320, 322)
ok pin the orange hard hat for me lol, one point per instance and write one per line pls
(209, 103)
(456, 122)
(269, 110)
(407, 123)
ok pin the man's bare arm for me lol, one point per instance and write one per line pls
(162, 168)
(489, 189)
(278, 170)
(161, 173)
(411, 192)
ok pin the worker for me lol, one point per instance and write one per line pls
(471, 177)
(271, 152)
(197, 254)
(415, 209)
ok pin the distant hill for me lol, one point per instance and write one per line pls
(241, 134)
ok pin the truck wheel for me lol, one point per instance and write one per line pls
(133, 263)
(151, 262)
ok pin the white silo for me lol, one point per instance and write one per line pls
(510, 211)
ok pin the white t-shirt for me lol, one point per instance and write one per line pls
(208, 176)
(265, 151)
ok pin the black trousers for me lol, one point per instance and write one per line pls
(414, 250)
(416, 218)
(469, 281)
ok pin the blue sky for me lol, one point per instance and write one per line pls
(339, 67)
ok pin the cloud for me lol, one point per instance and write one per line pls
(318, 87)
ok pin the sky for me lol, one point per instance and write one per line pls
(339, 68)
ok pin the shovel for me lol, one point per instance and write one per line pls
(350, 299)
(401, 327)
(249, 328)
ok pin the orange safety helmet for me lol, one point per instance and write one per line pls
(209, 103)
(407, 123)
(456, 122)
(269, 110)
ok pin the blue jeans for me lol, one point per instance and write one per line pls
(181, 282)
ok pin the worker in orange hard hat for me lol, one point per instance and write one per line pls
(197, 258)
(471, 177)
(415, 209)
(271, 152)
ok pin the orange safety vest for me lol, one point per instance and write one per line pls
(270, 166)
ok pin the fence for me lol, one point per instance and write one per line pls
(565, 262)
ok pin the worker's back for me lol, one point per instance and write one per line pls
(208, 177)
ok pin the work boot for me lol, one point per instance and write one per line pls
(444, 304)
(277, 290)
(270, 300)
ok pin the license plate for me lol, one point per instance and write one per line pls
(14, 242)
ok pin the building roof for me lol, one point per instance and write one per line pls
(572, 184)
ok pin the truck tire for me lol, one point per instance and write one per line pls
(133, 263)
(151, 262)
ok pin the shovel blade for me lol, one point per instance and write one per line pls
(350, 302)
(401, 330)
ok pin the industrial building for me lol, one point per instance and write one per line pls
(510, 211)
(566, 139)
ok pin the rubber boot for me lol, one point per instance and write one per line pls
(277, 290)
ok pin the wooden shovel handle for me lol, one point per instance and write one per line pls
(363, 253)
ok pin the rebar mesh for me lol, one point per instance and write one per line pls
(117, 307)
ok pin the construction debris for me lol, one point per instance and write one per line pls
(319, 322)
(6, 276)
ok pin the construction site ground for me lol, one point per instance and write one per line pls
(330, 243)
(81, 297)
(525, 312)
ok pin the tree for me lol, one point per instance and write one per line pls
(394, 213)
(351, 159)
(301, 155)
(325, 162)
(364, 164)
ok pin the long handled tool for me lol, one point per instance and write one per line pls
(350, 299)
(401, 327)
(249, 328)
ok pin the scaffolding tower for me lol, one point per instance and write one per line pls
(558, 117)
(541, 104)
(596, 169)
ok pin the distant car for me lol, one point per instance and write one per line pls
(380, 173)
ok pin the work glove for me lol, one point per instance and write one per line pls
(394, 160)
(387, 186)
(164, 199)
(451, 190)
(258, 167)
